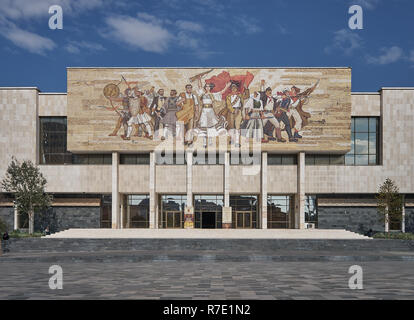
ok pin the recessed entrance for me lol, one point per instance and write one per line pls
(208, 211)
(171, 213)
(173, 219)
(208, 220)
(244, 211)
(243, 220)
(280, 212)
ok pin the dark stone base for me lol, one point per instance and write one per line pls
(62, 218)
(7, 216)
(409, 219)
(355, 219)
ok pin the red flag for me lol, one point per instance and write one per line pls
(220, 81)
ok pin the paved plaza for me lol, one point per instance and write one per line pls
(207, 280)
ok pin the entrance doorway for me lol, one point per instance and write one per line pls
(243, 220)
(208, 220)
(208, 211)
(280, 212)
(244, 211)
(137, 211)
(106, 212)
(171, 213)
(173, 219)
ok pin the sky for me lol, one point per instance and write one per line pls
(206, 33)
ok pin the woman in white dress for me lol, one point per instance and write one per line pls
(209, 125)
(252, 126)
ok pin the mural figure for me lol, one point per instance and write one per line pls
(223, 103)
(124, 113)
(208, 122)
(170, 109)
(234, 103)
(140, 117)
(271, 122)
(252, 125)
(157, 110)
(187, 113)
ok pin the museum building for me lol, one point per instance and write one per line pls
(103, 181)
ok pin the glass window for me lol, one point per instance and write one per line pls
(172, 210)
(169, 158)
(245, 159)
(208, 211)
(282, 159)
(361, 124)
(244, 211)
(94, 159)
(337, 160)
(322, 159)
(140, 158)
(311, 210)
(138, 211)
(364, 142)
(279, 215)
(53, 132)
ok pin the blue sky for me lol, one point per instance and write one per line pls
(234, 33)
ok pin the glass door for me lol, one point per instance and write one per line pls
(173, 219)
(243, 220)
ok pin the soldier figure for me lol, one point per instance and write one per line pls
(124, 114)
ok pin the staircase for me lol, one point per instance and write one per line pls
(146, 245)
(339, 234)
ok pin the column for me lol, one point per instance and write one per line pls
(115, 191)
(153, 201)
(227, 214)
(16, 217)
(403, 215)
(189, 209)
(300, 196)
(122, 224)
(264, 191)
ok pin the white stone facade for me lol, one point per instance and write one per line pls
(20, 109)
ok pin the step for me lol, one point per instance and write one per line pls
(207, 256)
(206, 234)
(266, 246)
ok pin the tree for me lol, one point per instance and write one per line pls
(389, 202)
(27, 183)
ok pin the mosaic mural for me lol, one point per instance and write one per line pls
(136, 109)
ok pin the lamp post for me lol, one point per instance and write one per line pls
(16, 216)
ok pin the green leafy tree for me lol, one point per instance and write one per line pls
(27, 184)
(389, 203)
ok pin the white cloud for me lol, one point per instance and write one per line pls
(139, 33)
(12, 12)
(77, 47)
(387, 56)
(189, 26)
(283, 30)
(25, 9)
(411, 56)
(366, 4)
(345, 41)
(28, 40)
(152, 34)
(246, 25)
